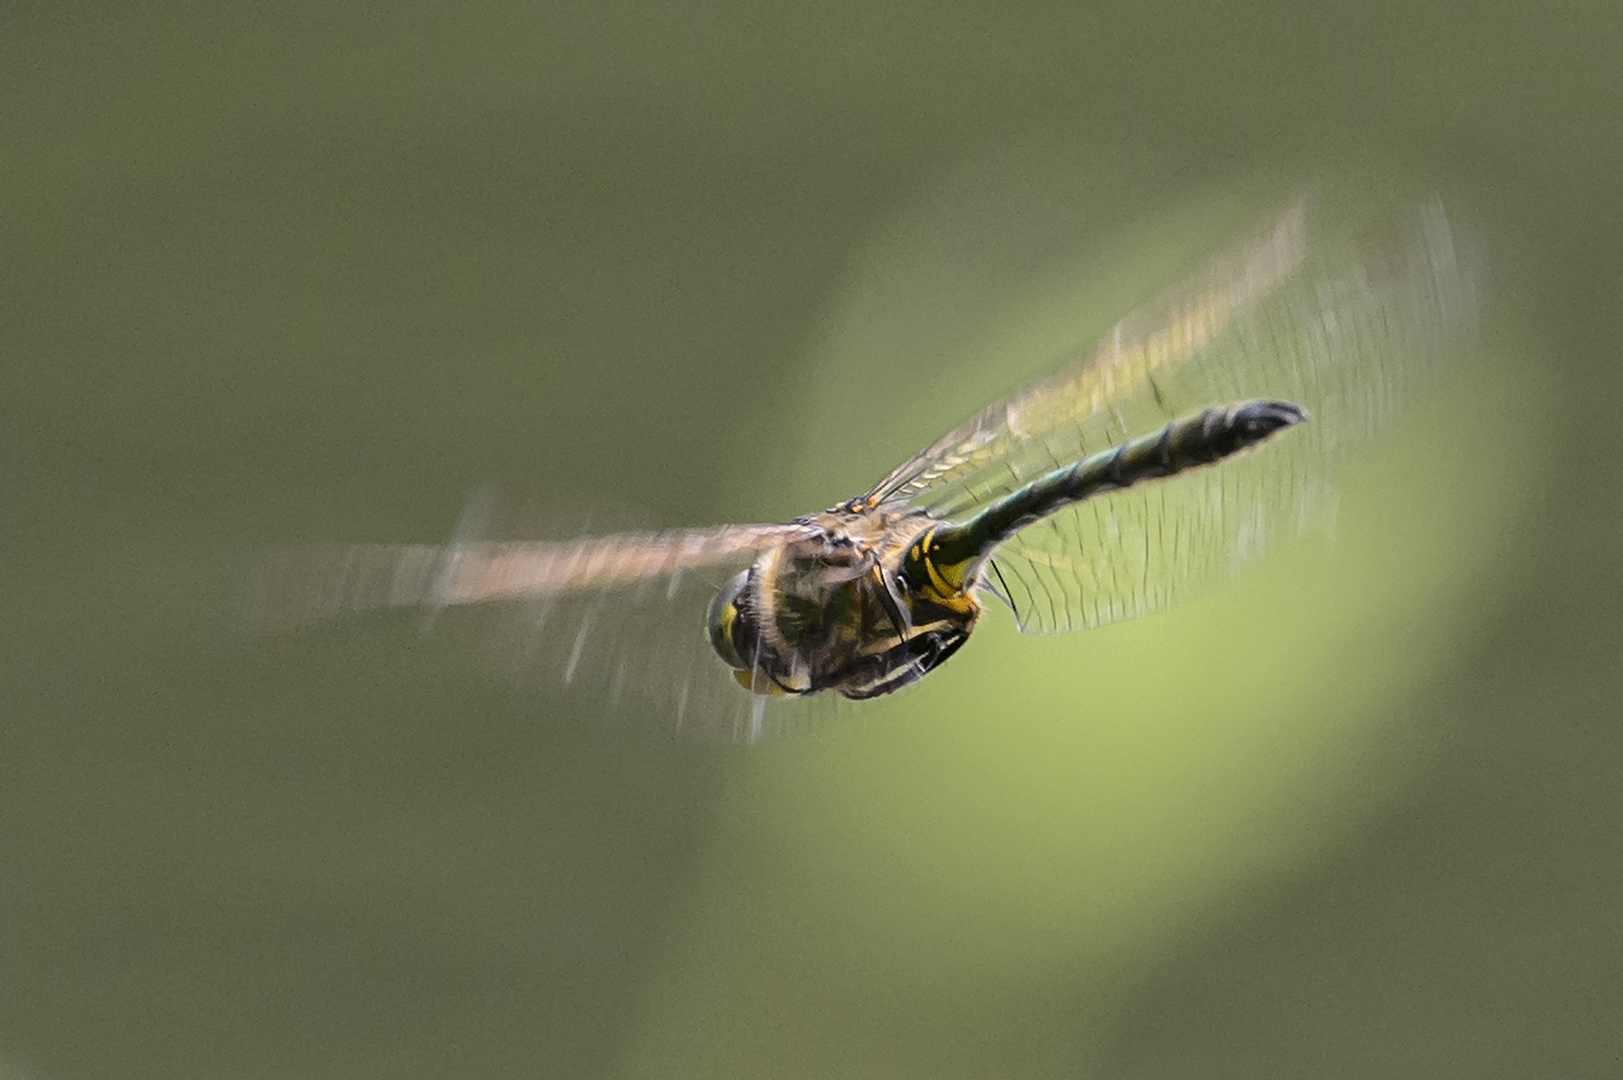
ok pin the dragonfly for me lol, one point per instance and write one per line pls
(1198, 430)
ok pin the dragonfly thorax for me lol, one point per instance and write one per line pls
(840, 611)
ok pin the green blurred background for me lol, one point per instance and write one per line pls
(314, 272)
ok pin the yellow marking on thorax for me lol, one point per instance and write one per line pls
(946, 585)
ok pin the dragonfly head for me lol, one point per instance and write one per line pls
(722, 620)
(734, 634)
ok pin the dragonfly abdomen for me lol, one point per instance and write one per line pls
(950, 554)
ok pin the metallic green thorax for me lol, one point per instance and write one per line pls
(879, 595)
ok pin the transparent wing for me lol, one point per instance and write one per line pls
(1342, 310)
(1126, 554)
(616, 620)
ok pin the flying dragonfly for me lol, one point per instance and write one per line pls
(1202, 427)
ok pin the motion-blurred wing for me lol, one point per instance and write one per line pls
(618, 620)
(1344, 311)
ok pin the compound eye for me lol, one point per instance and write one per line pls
(723, 616)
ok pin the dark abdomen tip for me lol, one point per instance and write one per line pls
(1250, 423)
(1259, 419)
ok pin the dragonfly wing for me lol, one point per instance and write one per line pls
(637, 656)
(287, 589)
(617, 620)
(1346, 313)
(1288, 311)
(1128, 553)
(1114, 391)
